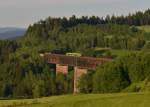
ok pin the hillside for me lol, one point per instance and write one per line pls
(146, 28)
(89, 100)
(11, 32)
(24, 74)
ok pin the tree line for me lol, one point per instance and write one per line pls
(138, 19)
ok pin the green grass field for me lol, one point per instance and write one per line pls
(89, 100)
(145, 28)
(121, 53)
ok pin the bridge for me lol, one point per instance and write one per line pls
(80, 64)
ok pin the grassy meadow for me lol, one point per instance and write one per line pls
(146, 28)
(84, 100)
(121, 53)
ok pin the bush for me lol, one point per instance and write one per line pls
(110, 78)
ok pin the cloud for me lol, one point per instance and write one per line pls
(74, 1)
(4, 3)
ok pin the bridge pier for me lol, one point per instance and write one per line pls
(62, 62)
(78, 72)
(61, 69)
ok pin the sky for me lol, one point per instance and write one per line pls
(22, 13)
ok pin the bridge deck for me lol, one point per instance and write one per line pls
(83, 62)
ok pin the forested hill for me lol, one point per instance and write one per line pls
(83, 37)
(95, 31)
(138, 19)
(11, 32)
(24, 74)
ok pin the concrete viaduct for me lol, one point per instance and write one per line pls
(80, 64)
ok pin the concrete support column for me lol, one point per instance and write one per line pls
(61, 69)
(78, 72)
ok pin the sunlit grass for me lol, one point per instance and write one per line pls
(89, 100)
(145, 28)
(121, 53)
